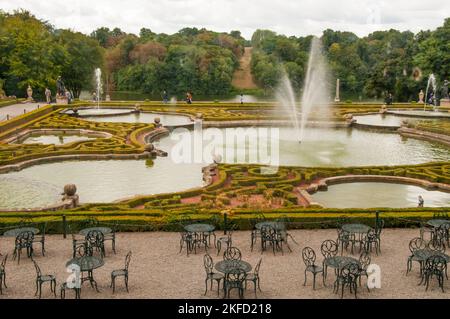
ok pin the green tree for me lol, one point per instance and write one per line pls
(29, 54)
(84, 55)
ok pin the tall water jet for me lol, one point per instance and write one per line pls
(286, 98)
(431, 84)
(316, 89)
(98, 81)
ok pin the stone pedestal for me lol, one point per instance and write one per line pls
(445, 103)
(62, 100)
(108, 98)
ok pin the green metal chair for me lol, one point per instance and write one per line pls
(41, 279)
(121, 273)
(235, 280)
(210, 274)
(40, 239)
(309, 258)
(254, 277)
(3, 274)
(112, 237)
(24, 240)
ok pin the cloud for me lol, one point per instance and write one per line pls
(290, 17)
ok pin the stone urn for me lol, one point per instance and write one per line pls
(70, 190)
(149, 147)
(217, 159)
(108, 98)
(70, 194)
(199, 116)
(157, 122)
(405, 123)
(137, 108)
(383, 109)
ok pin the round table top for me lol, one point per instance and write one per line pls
(86, 263)
(356, 228)
(424, 254)
(17, 231)
(436, 223)
(104, 230)
(342, 261)
(230, 266)
(275, 225)
(199, 228)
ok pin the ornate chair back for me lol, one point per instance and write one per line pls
(127, 260)
(232, 253)
(309, 256)
(416, 244)
(329, 249)
(208, 263)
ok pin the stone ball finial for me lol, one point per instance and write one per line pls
(157, 120)
(217, 159)
(199, 116)
(70, 190)
(149, 147)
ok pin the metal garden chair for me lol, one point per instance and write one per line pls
(121, 273)
(309, 258)
(210, 274)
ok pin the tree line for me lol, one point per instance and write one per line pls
(384, 61)
(33, 52)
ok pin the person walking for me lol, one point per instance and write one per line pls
(165, 97)
(189, 97)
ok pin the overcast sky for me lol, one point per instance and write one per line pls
(290, 17)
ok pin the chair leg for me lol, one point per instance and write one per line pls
(126, 282)
(40, 289)
(37, 287)
(314, 281)
(113, 283)
(206, 286)
(304, 284)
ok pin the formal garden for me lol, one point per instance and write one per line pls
(269, 179)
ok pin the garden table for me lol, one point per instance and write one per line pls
(199, 228)
(276, 225)
(436, 223)
(17, 231)
(202, 233)
(356, 229)
(424, 254)
(103, 230)
(229, 266)
(87, 264)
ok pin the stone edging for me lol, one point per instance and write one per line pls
(65, 204)
(323, 184)
(75, 157)
(423, 135)
(20, 137)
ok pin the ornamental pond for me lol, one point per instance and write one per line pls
(109, 181)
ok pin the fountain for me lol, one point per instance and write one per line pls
(286, 98)
(316, 90)
(98, 80)
(431, 84)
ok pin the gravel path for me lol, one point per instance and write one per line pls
(157, 270)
